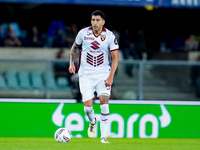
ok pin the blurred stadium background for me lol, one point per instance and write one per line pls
(166, 26)
(157, 80)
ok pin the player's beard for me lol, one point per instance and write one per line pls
(97, 29)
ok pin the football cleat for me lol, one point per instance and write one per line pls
(104, 140)
(91, 129)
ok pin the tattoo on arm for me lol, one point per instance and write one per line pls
(73, 52)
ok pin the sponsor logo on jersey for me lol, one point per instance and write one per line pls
(95, 45)
(89, 38)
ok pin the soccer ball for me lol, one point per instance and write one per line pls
(62, 135)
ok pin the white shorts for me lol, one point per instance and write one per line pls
(91, 83)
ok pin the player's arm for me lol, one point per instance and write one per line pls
(73, 53)
(115, 62)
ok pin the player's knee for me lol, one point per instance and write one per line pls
(104, 99)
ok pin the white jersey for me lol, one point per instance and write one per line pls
(95, 53)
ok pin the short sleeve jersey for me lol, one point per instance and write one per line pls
(95, 53)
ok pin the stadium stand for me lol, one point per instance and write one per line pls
(31, 84)
(157, 84)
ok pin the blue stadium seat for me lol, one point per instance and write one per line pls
(24, 80)
(36, 80)
(62, 83)
(11, 79)
(51, 80)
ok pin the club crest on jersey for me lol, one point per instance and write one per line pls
(103, 37)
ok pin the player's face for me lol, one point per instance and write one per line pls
(97, 23)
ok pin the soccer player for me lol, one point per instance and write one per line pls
(94, 70)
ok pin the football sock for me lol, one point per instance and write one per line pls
(104, 119)
(89, 111)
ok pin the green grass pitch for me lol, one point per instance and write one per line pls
(11, 143)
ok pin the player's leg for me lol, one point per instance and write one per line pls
(103, 93)
(87, 91)
(89, 111)
(104, 99)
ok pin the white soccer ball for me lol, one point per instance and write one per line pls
(62, 135)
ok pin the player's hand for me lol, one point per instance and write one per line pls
(72, 68)
(108, 82)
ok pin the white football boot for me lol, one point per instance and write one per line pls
(104, 140)
(91, 129)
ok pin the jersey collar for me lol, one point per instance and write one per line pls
(90, 31)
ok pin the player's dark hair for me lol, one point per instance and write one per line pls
(98, 13)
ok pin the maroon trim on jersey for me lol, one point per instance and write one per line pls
(114, 50)
(96, 35)
(104, 29)
(79, 62)
(109, 54)
(76, 43)
(90, 28)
